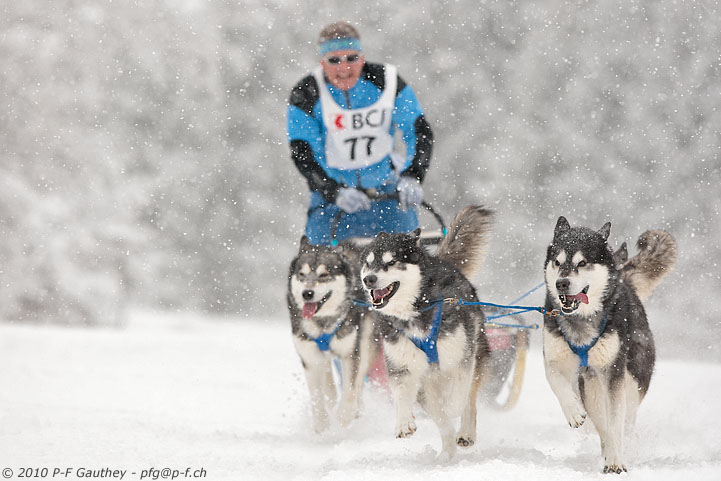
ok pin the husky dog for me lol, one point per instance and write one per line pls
(322, 284)
(434, 353)
(599, 352)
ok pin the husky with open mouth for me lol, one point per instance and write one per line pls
(598, 348)
(322, 284)
(435, 352)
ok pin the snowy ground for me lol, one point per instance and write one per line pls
(230, 398)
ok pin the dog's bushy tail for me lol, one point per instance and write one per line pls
(467, 240)
(655, 259)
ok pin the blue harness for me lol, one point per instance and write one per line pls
(582, 351)
(429, 344)
(323, 341)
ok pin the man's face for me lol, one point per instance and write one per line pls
(343, 68)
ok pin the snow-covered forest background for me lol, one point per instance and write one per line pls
(143, 159)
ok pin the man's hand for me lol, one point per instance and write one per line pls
(410, 193)
(352, 200)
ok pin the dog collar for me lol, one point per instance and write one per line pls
(323, 341)
(582, 351)
(429, 344)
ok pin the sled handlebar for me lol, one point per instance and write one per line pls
(376, 196)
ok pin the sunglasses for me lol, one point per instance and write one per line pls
(337, 59)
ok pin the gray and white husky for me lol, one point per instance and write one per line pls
(435, 353)
(322, 284)
(599, 352)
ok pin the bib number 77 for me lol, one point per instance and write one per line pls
(353, 141)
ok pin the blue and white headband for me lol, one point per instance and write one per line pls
(336, 44)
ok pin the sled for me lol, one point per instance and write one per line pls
(428, 237)
(508, 345)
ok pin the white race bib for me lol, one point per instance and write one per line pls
(358, 138)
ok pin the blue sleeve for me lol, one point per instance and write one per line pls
(416, 132)
(305, 127)
(305, 137)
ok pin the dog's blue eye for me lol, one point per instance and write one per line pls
(391, 263)
(582, 264)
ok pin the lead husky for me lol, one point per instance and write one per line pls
(434, 353)
(322, 284)
(599, 353)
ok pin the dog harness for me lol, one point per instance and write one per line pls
(582, 351)
(323, 341)
(429, 344)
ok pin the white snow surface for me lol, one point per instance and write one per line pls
(179, 391)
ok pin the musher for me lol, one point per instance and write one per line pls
(342, 118)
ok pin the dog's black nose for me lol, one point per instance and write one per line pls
(370, 280)
(563, 284)
(308, 294)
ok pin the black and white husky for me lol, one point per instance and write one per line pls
(435, 353)
(599, 352)
(322, 284)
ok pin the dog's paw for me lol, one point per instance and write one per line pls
(613, 464)
(614, 469)
(577, 420)
(465, 441)
(406, 429)
(575, 416)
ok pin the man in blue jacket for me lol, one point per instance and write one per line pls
(342, 120)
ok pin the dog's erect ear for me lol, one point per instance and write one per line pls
(417, 234)
(620, 256)
(562, 226)
(304, 244)
(605, 231)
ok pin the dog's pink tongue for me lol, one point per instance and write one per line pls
(309, 309)
(380, 293)
(581, 297)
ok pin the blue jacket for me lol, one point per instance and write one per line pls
(306, 134)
